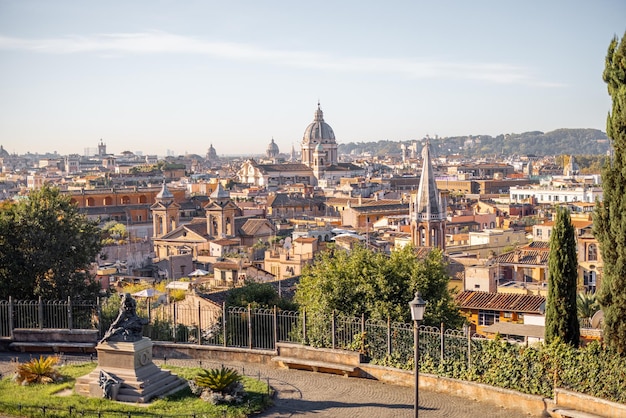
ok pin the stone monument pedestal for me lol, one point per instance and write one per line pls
(130, 364)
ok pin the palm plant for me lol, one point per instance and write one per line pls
(587, 304)
(218, 380)
(41, 370)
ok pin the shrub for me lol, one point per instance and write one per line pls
(41, 370)
(217, 380)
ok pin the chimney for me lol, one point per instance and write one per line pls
(516, 257)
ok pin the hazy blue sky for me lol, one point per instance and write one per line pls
(155, 75)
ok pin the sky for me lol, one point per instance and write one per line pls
(160, 76)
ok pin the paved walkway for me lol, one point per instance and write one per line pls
(308, 394)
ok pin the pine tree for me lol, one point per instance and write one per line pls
(561, 309)
(610, 215)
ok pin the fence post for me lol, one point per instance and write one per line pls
(389, 336)
(333, 330)
(99, 316)
(199, 324)
(275, 328)
(70, 322)
(469, 348)
(40, 312)
(11, 323)
(174, 318)
(442, 333)
(249, 327)
(304, 326)
(224, 322)
(362, 333)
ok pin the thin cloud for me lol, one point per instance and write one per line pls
(166, 43)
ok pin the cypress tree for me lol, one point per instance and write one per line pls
(561, 309)
(610, 215)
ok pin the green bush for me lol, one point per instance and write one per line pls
(218, 380)
(592, 370)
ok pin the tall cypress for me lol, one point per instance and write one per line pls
(561, 310)
(610, 215)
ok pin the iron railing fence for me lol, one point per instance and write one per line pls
(382, 342)
(47, 314)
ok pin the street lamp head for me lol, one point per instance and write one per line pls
(418, 306)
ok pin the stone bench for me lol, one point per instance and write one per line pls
(323, 360)
(572, 413)
(54, 339)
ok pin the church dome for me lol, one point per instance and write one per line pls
(272, 150)
(318, 131)
(211, 153)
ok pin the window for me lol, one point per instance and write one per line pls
(592, 252)
(488, 317)
(589, 279)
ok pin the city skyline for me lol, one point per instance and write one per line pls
(157, 76)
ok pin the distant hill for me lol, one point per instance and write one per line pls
(558, 142)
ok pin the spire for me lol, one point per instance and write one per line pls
(165, 195)
(319, 115)
(428, 204)
(219, 193)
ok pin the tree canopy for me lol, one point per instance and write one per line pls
(610, 215)
(46, 248)
(561, 310)
(258, 295)
(377, 285)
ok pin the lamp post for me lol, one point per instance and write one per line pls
(418, 306)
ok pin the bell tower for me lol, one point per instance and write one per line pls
(427, 208)
(165, 213)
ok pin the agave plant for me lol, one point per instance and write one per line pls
(41, 370)
(217, 380)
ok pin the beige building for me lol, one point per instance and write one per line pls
(288, 261)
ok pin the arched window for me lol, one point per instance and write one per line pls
(592, 252)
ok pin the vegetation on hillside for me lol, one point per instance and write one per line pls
(560, 141)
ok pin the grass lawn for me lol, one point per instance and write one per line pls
(31, 400)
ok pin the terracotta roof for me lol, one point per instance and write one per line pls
(510, 328)
(199, 228)
(226, 242)
(385, 207)
(304, 240)
(535, 253)
(252, 226)
(267, 168)
(501, 302)
(226, 265)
